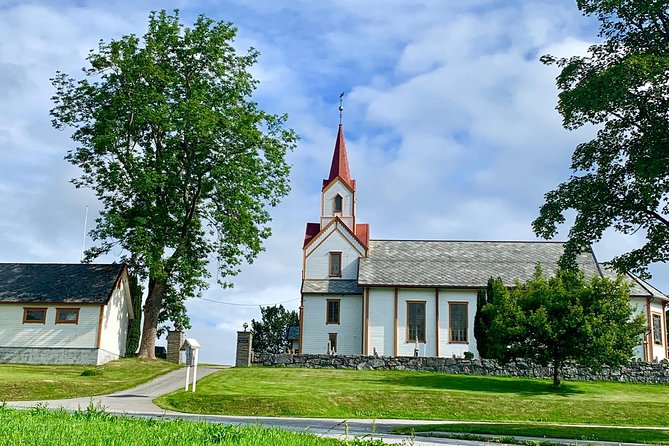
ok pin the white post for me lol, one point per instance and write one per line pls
(187, 377)
(195, 367)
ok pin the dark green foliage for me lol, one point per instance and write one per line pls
(181, 157)
(91, 372)
(564, 318)
(482, 320)
(620, 178)
(269, 334)
(134, 325)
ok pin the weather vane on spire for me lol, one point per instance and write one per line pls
(341, 106)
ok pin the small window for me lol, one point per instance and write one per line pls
(332, 316)
(332, 342)
(67, 315)
(335, 264)
(457, 322)
(657, 329)
(415, 321)
(34, 315)
(338, 203)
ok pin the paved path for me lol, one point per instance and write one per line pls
(138, 402)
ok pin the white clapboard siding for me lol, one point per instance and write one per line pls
(381, 321)
(318, 258)
(447, 349)
(349, 330)
(348, 205)
(14, 333)
(115, 320)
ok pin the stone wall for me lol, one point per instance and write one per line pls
(633, 372)
(43, 355)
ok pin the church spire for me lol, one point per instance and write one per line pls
(339, 167)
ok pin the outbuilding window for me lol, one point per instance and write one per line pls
(33, 315)
(67, 315)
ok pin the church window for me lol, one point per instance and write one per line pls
(335, 264)
(332, 315)
(415, 321)
(338, 203)
(457, 322)
(657, 329)
(332, 342)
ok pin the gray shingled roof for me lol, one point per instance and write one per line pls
(459, 264)
(335, 286)
(59, 283)
(638, 286)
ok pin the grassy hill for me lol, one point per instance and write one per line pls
(420, 395)
(26, 382)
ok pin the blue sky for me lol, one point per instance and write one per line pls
(449, 118)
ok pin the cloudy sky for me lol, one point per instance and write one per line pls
(449, 118)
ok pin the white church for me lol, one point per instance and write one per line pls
(362, 296)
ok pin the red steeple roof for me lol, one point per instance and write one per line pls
(339, 167)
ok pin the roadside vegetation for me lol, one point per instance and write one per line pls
(25, 382)
(618, 434)
(43, 427)
(420, 395)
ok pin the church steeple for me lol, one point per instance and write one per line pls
(339, 167)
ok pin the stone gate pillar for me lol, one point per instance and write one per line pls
(244, 341)
(175, 339)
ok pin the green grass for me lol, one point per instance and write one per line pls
(45, 428)
(23, 382)
(619, 435)
(420, 395)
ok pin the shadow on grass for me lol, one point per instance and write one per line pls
(475, 383)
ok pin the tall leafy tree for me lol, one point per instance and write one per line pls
(564, 318)
(621, 177)
(183, 160)
(269, 334)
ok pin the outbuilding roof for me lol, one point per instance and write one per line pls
(58, 283)
(460, 264)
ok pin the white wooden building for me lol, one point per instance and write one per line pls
(393, 297)
(63, 313)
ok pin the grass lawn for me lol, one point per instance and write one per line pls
(420, 395)
(618, 435)
(24, 382)
(46, 427)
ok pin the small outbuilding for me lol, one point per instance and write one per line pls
(63, 313)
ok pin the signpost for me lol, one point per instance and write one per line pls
(192, 348)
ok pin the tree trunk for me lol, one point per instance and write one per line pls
(556, 374)
(152, 307)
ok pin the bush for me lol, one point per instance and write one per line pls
(91, 372)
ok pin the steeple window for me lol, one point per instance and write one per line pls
(338, 203)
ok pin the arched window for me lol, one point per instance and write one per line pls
(338, 203)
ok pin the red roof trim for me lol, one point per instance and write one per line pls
(312, 231)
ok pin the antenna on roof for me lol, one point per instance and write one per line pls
(341, 105)
(83, 242)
